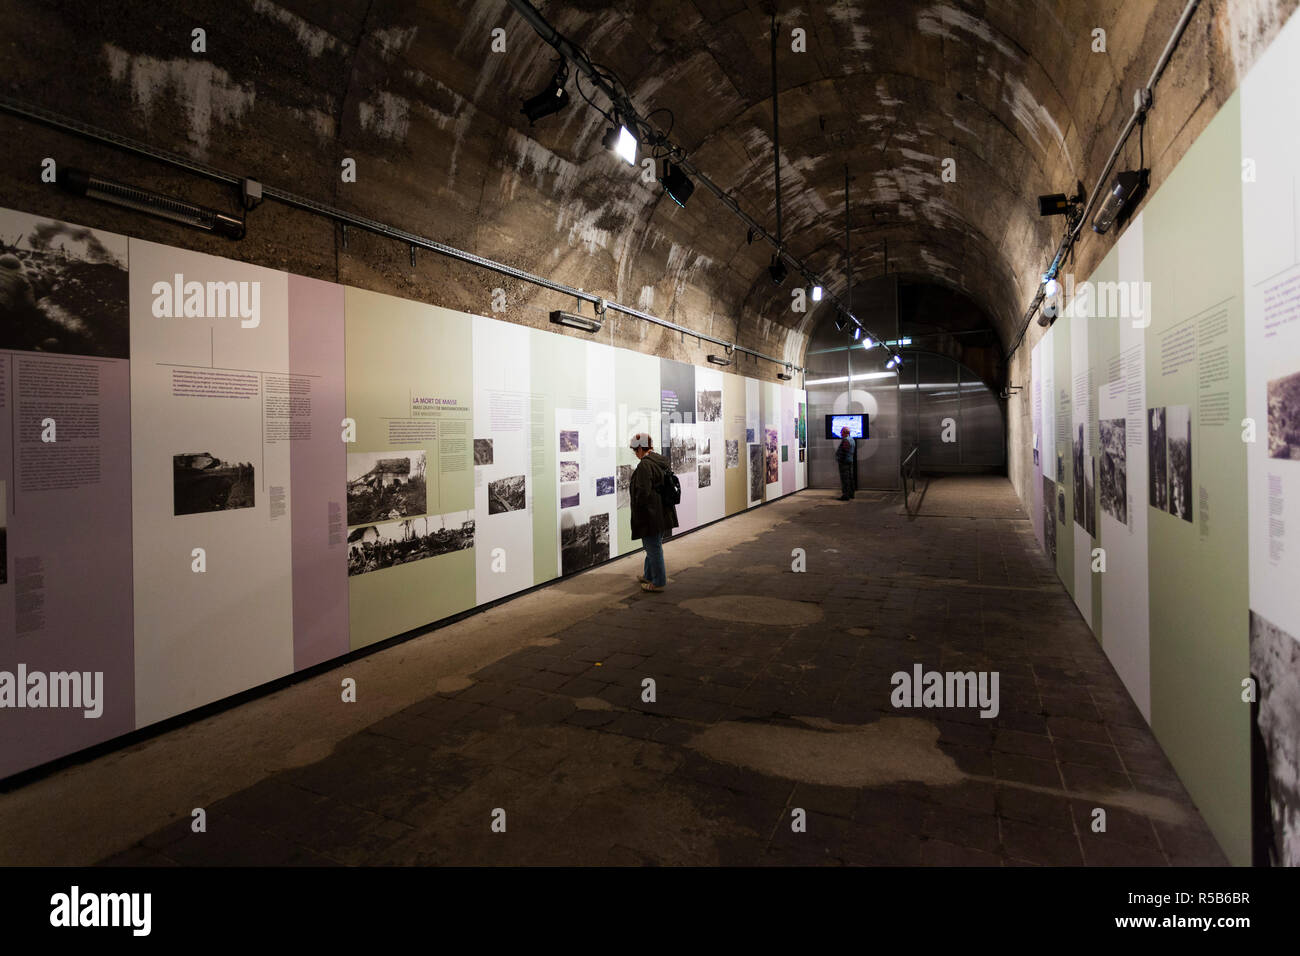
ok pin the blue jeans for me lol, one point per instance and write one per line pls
(655, 572)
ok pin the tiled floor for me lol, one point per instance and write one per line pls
(771, 695)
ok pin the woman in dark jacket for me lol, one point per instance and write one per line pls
(652, 519)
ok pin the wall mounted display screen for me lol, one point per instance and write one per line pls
(214, 475)
(856, 424)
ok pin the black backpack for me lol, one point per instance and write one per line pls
(670, 489)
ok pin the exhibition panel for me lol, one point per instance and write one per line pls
(1165, 405)
(65, 477)
(216, 474)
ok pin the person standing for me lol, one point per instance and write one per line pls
(845, 455)
(653, 518)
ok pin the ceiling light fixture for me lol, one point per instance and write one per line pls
(575, 321)
(777, 270)
(81, 183)
(1128, 189)
(719, 360)
(816, 293)
(550, 100)
(621, 143)
(676, 183)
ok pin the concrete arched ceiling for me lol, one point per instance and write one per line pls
(1010, 90)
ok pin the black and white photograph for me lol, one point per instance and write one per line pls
(705, 473)
(1114, 467)
(506, 494)
(569, 440)
(624, 499)
(681, 453)
(1060, 466)
(1178, 432)
(482, 451)
(1090, 497)
(569, 494)
(569, 471)
(604, 486)
(386, 485)
(1157, 469)
(708, 405)
(756, 472)
(1060, 503)
(63, 289)
(378, 546)
(749, 436)
(1275, 665)
(706, 448)
(583, 545)
(1079, 461)
(733, 453)
(1284, 417)
(202, 482)
(1049, 519)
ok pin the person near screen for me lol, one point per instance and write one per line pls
(844, 455)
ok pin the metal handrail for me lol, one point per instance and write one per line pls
(909, 465)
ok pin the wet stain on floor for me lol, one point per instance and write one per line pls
(754, 609)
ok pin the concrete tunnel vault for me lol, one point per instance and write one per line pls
(413, 93)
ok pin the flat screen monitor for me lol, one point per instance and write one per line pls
(856, 424)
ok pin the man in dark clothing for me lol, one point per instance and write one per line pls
(652, 518)
(844, 455)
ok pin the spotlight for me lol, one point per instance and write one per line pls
(783, 377)
(894, 362)
(676, 184)
(857, 333)
(1057, 204)
(839, 323)
(575, 321)
(777, 270)
(868, 343)
(551, 100)
(1127, 190)
(622, 143)
(1051, 288)
(719, 360)
(816, 293)
(81, 183)
(1054, 205)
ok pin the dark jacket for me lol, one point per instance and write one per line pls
(649, 513)
(845, 451)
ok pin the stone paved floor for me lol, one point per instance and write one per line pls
(772, 692)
